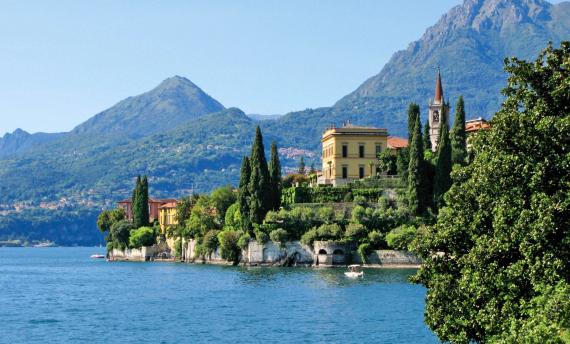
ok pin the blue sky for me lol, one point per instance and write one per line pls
(63, 61)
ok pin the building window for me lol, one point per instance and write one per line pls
(378, 149)
(361, 172)
(345, 151)
(361, 151)
(344, 172)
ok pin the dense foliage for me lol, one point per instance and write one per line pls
(458, 134)
(497, 263)
(144, 236)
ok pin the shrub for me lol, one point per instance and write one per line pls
(260, 236)
(233, 217)
(309, 237)
(358, 214)
(279, 235)
(329, 232)
(399, 238)
(326, 214)
(376, 239)
(177, 248)
(355, 231)
(360, 200)
(199, 250)
(143, 236)
(383, 203)
(210, 241)
(243, 241)
(363, 251)
(229, 248)
(348, 197)
(119, 233)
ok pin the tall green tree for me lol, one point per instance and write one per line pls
(136, 204)
(497, 263)
(416, 198)
(301, 169)
(402, 162)
(144, 201)
(427, 141)
(259, 184)
(458, 134)
(275, 177)
(413, 112)
(243, 193)
(442, 178)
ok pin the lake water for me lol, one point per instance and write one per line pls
(60, 295)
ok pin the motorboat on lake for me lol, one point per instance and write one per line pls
(354, 271)
(97, 256)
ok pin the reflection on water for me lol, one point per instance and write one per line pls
(60, 295)
(321, 277)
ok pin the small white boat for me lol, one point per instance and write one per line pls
(354, 271)
(97, 256)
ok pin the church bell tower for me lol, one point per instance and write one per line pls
(438, 113)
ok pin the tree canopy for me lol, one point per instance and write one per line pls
(497, 263)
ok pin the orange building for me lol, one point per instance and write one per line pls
(153, 207)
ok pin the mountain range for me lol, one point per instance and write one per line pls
(53, 185)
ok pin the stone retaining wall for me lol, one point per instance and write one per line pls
(322, 254)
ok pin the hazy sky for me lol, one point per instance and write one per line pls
(63, 61)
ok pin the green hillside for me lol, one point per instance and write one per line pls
(185, 141)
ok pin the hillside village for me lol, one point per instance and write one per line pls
(349, 208)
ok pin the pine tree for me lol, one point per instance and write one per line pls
(302, 169)
(427, 141)
(413, 112)
(243, 195)
(144, 202)
(416, 199)
(442, 181)
(458, 135)
(259, 185)
(275, 177)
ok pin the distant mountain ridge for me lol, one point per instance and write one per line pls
(53, 185)
(469, 43)
(175, 101)
(21, 141)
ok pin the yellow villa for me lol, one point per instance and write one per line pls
(167, 215)
(350, 152)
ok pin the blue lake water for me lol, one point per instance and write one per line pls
(60, 295)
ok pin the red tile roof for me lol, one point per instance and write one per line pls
(169, 205)
(476, 125)
(395, 142)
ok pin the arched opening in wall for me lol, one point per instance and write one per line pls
(322, 251)
(265, 256)
(338, 256)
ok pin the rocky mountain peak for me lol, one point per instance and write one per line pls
(481, 15)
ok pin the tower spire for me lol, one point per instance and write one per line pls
(438, 88)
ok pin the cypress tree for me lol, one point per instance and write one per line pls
(413, 112)
(144, 202)
(275, 177)
(427, 141)
(442, 181)
(302, 169)
(259, 185)
(416, 199)
(458, 134)
(243, 195)
(136, 208)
